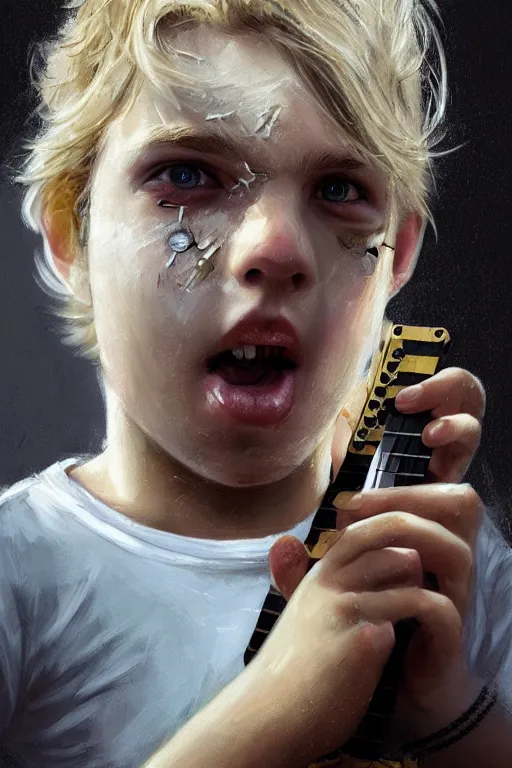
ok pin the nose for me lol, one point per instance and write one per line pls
(271, 248)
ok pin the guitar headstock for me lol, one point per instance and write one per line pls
(408, 355)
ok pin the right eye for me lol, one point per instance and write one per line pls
(187, 176)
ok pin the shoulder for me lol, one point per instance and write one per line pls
(489, 625)
(22, 512)
(34, 530)
(15, 498)
(493, 553)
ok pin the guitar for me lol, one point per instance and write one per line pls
(385, 451)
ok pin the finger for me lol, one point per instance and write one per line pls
(441, 623)
(455, 440)
(457, 507)
(442, 552)
(451, 391)
(288, 561)
(387, 568)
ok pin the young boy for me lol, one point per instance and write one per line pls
(229, 194)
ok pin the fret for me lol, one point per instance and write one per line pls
(405, 455)
(404, 434)
(267, 610)
(316, 531)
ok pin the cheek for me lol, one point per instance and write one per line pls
(124, 268)
(356, 309)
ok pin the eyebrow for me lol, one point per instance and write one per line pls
(243, 148)
(187, 137)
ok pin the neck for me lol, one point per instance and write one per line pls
(137, 479)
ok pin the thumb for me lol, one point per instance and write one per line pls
(289, 561)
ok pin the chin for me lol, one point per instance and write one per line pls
(249, 458)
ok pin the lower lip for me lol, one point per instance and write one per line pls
(268, 405)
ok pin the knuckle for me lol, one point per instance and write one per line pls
(431, 604)
(465, 559)
(468, 424)
(370, 637)
(400, 521)
(478, 386)
(477, 393)
(458, 374)
(472, 386)
(348, 608)
(471, 499)
(475, 431)
(410, 561)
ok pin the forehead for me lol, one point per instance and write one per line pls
(230, 84)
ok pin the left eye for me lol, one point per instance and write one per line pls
(338, 191)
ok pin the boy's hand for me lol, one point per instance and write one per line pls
(456, 399)
(336, 634)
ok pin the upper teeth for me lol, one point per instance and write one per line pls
(249, 352)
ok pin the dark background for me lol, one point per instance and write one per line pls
(50, 407)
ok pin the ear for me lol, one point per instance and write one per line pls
(408, 242)
(59, 229)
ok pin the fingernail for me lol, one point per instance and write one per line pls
(409, 395)
(349, 501)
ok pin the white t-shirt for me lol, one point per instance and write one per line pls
(113, 634)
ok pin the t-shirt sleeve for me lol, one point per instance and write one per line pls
(489, 624)
(10, 631)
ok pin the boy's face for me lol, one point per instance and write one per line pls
(290, 270)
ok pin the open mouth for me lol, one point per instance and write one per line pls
(252, 365)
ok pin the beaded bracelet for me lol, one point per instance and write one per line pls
(457, 730)
(417, 750)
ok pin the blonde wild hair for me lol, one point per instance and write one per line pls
(376, 69)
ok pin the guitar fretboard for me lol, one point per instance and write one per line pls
(386, 451)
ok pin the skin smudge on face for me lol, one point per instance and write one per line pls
(364, 250)
(260, 117)
(273, 247)
(181, 241)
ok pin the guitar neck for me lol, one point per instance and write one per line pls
(386, 450)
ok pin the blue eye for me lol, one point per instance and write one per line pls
(338, 191)
(185, 176)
